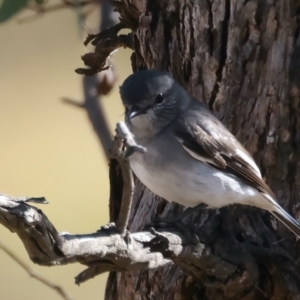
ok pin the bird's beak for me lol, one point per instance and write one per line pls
(134, 111)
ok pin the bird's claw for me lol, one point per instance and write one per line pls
(129, 142)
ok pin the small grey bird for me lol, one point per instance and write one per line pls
(191, 157)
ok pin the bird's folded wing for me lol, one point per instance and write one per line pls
(207, 140)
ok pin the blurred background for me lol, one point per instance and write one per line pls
(49, 148)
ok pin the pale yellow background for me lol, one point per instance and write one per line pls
(49, 148)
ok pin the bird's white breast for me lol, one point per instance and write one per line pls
(170, 172)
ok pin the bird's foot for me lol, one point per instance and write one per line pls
(176, 225)
(109, 228)
(176, 222)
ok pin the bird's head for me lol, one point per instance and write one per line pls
(152, 100)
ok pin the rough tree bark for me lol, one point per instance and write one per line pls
(242, 58)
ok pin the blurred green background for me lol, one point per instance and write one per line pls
(49, 148)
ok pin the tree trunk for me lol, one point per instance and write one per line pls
(241, 58)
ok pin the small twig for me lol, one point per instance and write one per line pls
(33, 274)
(128, 183)
(72, 102)
(123, 134)
(96, 86)
(39, 200)
(104, 34)
(106, 42)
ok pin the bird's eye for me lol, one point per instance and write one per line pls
(159, 98)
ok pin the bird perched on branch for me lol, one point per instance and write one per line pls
(191, 157)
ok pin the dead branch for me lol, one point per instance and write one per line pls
(96, 86)
(106, 43)
(125, 137)
(102, 251)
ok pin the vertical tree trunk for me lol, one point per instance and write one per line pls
(241, 58)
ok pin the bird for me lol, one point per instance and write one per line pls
(191, 157)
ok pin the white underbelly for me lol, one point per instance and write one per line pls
(192, 183)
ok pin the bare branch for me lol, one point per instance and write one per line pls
(106, 43)
(105, 250)
(96, 86)
(72, 102)
(123, 135)
(36, 232)
(104, 34)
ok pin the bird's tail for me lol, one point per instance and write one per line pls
(286, 219)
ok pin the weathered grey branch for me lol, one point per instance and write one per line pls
(105, 250)
(128, 182)
(124, 139)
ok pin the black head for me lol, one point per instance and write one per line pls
(152, 99)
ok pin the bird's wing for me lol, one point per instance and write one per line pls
(205, 138)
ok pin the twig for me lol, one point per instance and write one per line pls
(106, 42)
(104, 34)
(99, 60)
(35, 275)
(39, 200)
(123, 134)
(72, 102)
(96, 86)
